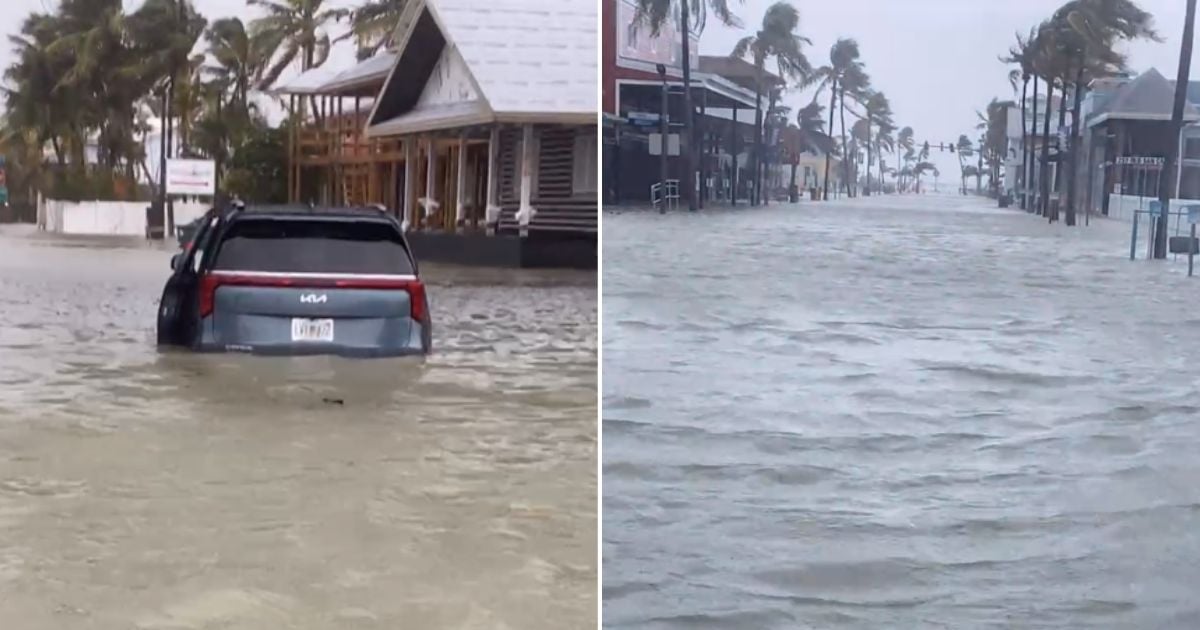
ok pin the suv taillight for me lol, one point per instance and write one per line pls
(415, 288)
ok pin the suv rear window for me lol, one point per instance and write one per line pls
(313, 246)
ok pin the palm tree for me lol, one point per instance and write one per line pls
(1094, 28)
(843, 60)
(776, 39)
(965, 149)
(1023, 55)
(810, 135)
(239, 62)
(877, 108)
(905, 141)
(884, 142)
(373, 25)
(295, 30)
(857, 84)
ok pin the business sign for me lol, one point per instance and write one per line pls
(639, 49)
(191, 177)
(1140, 160)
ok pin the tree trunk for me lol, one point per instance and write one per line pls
(1058, 166)
(1044, 171)
(1030, 152)
(845, 147)
(867, 190)
(1074, 145)
(829, 153)
(1024, 183)
(979, 167)
(792, 185)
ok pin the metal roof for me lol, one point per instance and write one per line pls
(1148, 97)
(527, 56)
(521, 60)
(327, 80)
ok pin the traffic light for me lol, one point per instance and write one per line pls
(952, 147)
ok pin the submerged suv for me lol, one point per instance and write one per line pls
(294, 280)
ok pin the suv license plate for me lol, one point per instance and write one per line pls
(312, 329)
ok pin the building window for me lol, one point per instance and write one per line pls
(583, 177)
(1191, 148)
(1189, 182)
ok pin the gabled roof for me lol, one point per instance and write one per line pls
(1148, 97)
(485, 61)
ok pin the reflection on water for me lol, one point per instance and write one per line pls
(141, 489)
(896, 413)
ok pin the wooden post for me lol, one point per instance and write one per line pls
(526, 211)
(410, 175)
(492, 206)
(429, 202)
(460, 205)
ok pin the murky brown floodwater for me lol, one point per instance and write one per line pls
(152, 491)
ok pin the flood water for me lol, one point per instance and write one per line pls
(153, 490)
(896, 413)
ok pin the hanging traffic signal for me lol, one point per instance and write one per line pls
(952, 147)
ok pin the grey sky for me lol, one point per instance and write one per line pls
(936, 59)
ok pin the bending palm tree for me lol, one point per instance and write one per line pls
(374, 24)
(1023, 55)
(776, 39)
(811, 129)
(906, 142)
(295, 29)
(843, 59)
(878, 108)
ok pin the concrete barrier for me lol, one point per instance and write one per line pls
(107, 218)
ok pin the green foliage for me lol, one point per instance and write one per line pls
(258, 169)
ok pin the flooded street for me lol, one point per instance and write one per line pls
(896, 413)
(153, 490)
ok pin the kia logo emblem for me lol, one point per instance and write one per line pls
(313, 298)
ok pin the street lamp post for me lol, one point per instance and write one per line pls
(1167, 182)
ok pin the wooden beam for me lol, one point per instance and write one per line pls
(492, 207)
(460, 209)
(430, 203)
(525, 212)
(410, 175)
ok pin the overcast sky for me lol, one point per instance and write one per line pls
(935, 59)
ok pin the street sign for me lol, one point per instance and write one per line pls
(655, 141)
(1139, 160)
(1193, 214)
(191, 177)
(1155, 208)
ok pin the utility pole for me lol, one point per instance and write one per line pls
(1167, 182)
(688, 181)
(664, 128)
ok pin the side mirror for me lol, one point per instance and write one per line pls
(175, 261)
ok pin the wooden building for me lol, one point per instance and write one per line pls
(479, 130)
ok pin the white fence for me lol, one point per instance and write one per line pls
(107, 218)
(1123, 206)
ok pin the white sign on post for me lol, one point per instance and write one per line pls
(191, 177)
